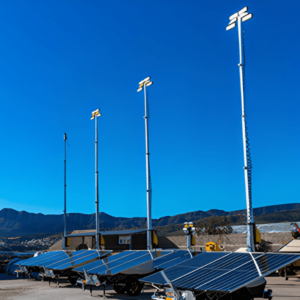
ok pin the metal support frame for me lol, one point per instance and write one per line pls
(65, 192)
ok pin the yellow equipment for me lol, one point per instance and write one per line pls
(154, 238)
(211, 246)
(257, 236)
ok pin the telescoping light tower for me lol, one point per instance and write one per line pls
(95, 115)
(65, 193)
(239, 17)
(142, 85)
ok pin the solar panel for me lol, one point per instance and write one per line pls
(141, 261)
(41, 259)
(172, 259)
(221, 271)
(108, 266)
(112, 258)
(35, 258)
(77, 258)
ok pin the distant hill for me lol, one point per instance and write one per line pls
(15, 223)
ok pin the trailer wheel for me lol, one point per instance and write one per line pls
(120, 289)
(72, 279)
(133, 286)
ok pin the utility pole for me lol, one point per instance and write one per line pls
(239, 17)
(142, 85)
(95, 115)
(65, 193)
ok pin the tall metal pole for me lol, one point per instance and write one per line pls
(250, 221)
(65, 193)
(148, 179)
(96, 184)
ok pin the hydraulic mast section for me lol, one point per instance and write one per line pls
(148, 177)
(95, 115)
(247, 167)
(65, 193)
(142, 85)
(239, 17)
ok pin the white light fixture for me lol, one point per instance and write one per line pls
(95, 113)
(144, 83)
(242, 15)
(247, 17)
(230, 26)
(232, 21)
(243, 10)
(146, 79)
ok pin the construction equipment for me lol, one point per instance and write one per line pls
(295, 233)
(211, 246)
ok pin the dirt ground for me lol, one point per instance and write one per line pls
(12, 288)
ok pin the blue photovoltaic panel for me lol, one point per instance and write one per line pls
(227, 273)
(36, 258)
(267, 262)
(221, 273)
(64, 260)
(43, 260)
(126, 260)
(78, 259)
(52, 259)
(185, 267)
(172, 259)
(96, 264)
(138, 260)
(113, 267)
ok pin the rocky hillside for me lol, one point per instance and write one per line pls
(15, 223)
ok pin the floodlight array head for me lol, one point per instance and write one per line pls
(189, 228)
(145, 82)
(95, 113)
(242, 14)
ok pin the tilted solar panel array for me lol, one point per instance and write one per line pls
(120, 263)
(221, 271)
(76, 259)
(172, 259)
(91, 267)
(41, 260)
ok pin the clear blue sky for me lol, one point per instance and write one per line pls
(62, 59)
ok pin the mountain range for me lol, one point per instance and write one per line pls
(17, 223)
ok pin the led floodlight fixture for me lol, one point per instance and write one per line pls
(95, 113)
(242, 15)
(146, 79)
